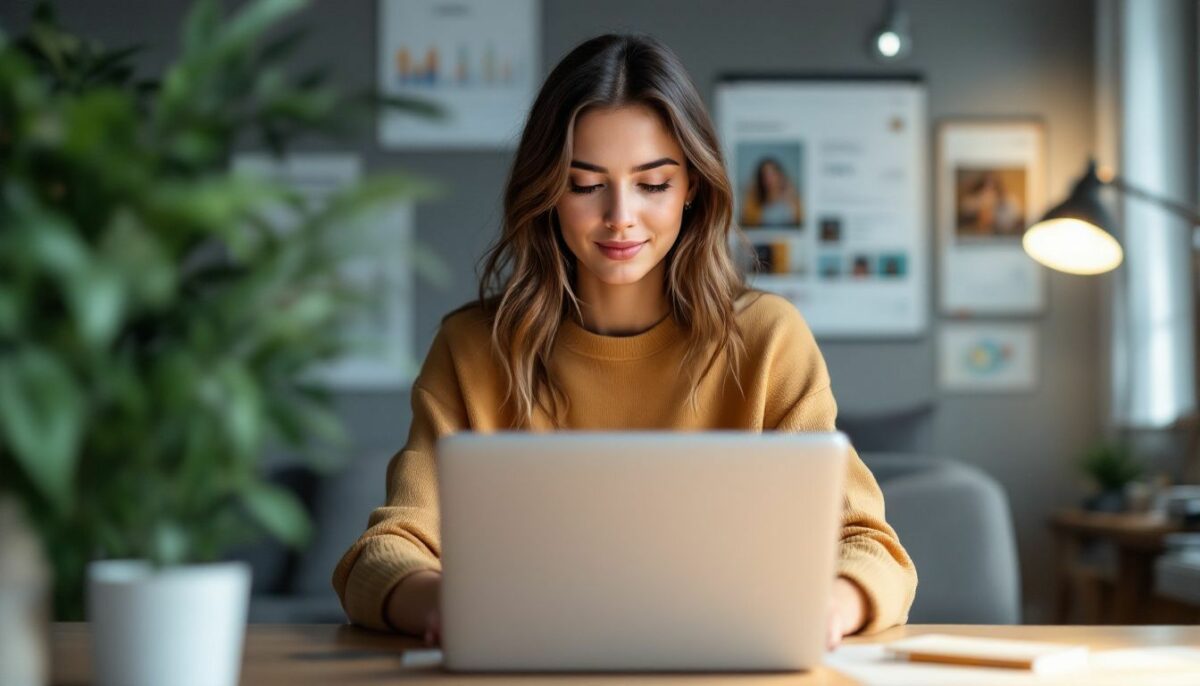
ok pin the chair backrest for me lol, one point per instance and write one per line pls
(955, 522)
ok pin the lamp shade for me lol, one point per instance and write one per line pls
(1073, 237)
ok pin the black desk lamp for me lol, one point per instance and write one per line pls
(1074, 236)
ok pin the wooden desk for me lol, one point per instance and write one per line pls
(302, 654)
(1138, 540)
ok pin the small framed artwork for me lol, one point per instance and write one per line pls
(988, 357)
(991, 184)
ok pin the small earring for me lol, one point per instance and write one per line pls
(687, 205)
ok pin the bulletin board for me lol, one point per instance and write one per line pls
(830, 182)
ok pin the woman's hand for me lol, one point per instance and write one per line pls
(847, 611)
(412, 608)
(433, 629)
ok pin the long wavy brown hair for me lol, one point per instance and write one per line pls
(528, 275)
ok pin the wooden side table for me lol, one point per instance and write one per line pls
(1138, 540)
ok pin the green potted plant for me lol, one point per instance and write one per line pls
(1111, 467)
(158, 329)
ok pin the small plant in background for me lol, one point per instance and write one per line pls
(1112, 467)
(156, 327)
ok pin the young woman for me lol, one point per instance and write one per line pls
(771, 200)
(610, 301)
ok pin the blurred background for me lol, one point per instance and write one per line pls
(986, 487)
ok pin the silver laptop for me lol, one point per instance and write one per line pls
(638, 551)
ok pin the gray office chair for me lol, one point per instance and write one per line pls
(954, 521)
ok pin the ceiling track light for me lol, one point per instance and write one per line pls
(891, 41)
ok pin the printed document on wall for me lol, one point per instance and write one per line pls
(829, 179)
(991, 185)
(381, 337)
(476, 59)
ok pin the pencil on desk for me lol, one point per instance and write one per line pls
(1035, 656)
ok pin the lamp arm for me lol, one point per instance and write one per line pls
(1177, 208)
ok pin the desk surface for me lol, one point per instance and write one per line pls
(300, 654)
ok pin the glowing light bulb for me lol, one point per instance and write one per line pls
(1073, 246)
(888, 44)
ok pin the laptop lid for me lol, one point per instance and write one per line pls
(638, 551)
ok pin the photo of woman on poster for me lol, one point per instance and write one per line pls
(771, 185)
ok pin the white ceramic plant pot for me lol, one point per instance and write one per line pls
(181, 625)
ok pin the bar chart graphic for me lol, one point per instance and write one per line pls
(477, 59)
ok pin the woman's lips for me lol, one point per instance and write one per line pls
(621, 251)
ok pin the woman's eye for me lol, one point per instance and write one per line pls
(648, 187)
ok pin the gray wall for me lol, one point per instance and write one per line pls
(979, 57)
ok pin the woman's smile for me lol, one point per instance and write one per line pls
(621, 250)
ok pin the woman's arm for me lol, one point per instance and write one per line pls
(402, 537)
(800, 399)
(870, 554)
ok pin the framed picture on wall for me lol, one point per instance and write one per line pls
(476, 59)
(380, 337)
(830, 179)
(988, 357)
(990, 177)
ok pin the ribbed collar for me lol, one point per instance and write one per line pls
(649, 342)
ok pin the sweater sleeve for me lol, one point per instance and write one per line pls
(870, 553)
(402, 536)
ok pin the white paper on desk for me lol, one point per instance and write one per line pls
(421, 659)
(1161, 666)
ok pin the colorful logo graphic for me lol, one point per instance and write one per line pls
(988, 356)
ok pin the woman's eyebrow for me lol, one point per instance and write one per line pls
(588, 166)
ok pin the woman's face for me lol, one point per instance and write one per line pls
(773, 179)
(623, 207)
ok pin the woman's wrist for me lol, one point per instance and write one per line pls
(410, 603)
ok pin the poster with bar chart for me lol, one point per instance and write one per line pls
(476, 59)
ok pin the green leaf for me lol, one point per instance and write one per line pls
(252, 21)
(140, 257)
(100, 124)
(169, 544)
(298, 418)
(313, 107)
(52, 243)
(42, 413)
(218, 205)
(10, 312)
(110, 66)
(44, 12)
(418, 107)
(283, 47)
(372, 195)
(201, 26)
(279, 512)
(242, 410)
(97, 300)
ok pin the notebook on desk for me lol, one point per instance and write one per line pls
(638, 551)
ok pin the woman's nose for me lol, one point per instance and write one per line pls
(620, 213)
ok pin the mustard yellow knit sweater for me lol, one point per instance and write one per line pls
(631, 382)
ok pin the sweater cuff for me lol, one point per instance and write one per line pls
(382, 564)
(885, 585)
